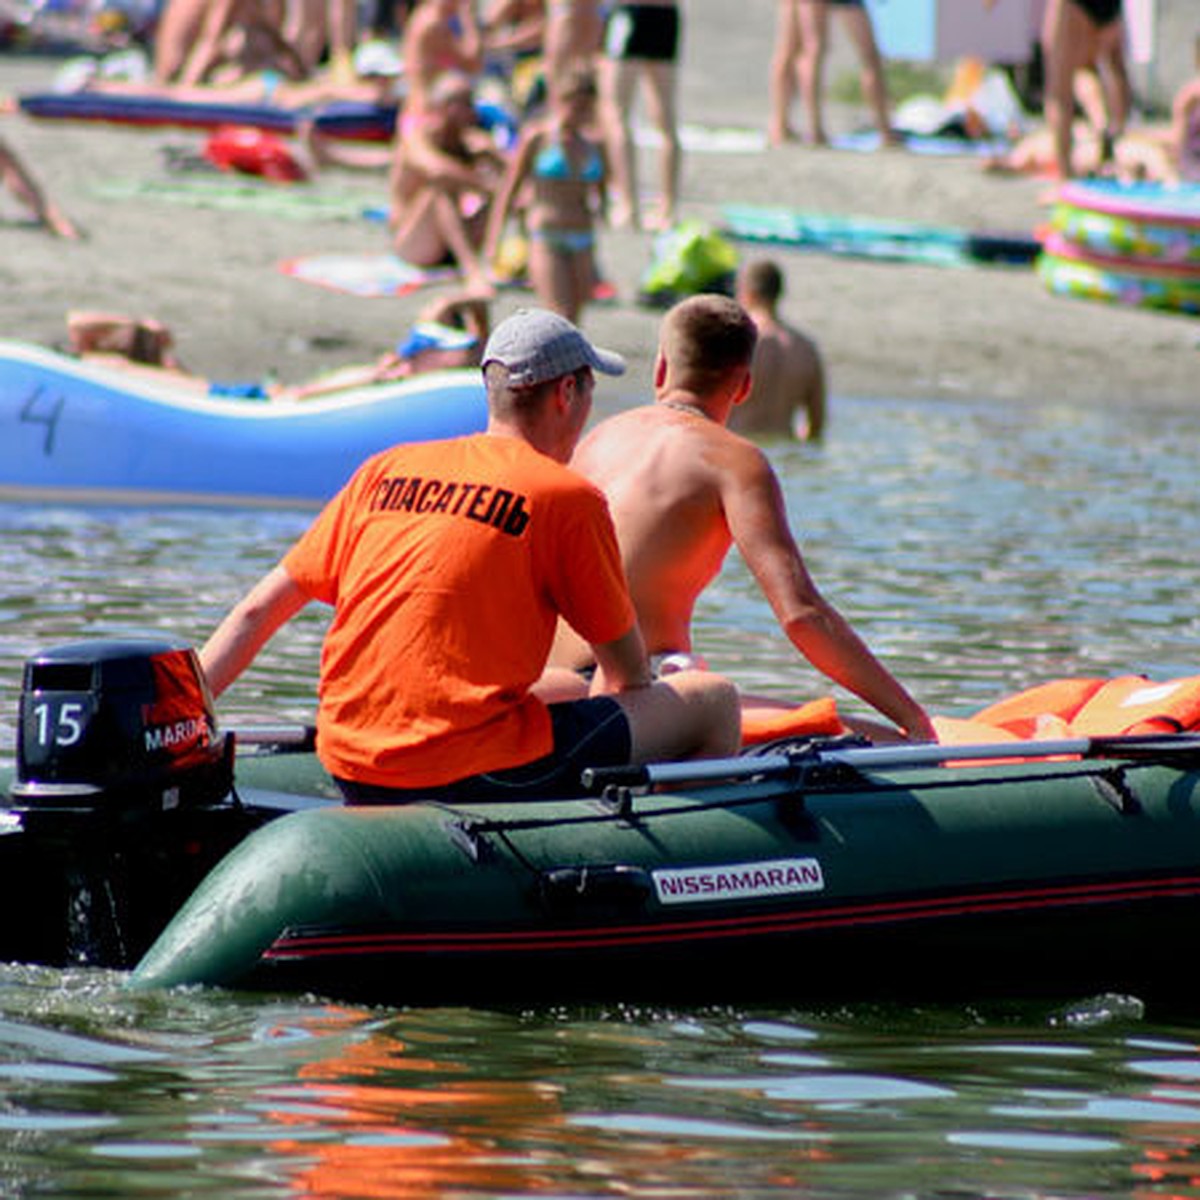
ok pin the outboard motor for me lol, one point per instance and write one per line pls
(116, 730)
(123, 798)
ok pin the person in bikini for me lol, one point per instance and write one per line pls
(641, 42)
(442, 178)
(565, 170)
(801, 41)
(683, 489)
(429, 688)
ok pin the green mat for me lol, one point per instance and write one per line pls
(297, 202)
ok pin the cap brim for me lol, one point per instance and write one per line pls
(607, 362)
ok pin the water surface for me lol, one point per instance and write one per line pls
(977, 549)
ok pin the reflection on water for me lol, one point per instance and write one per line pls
(218, 1093)
(977, 549)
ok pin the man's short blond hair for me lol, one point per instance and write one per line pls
(706, 337)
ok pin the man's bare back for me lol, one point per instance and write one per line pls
(682, 489)
(787, 395)
(663, 468)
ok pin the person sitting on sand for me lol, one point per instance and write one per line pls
(442, 179)
(787, 392)
(562, 170)
(682, 489)
(19, 181)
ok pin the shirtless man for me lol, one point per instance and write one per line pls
(787, 395)
(682, 489)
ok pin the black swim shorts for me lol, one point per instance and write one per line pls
(587, 733)
(646, 31)
(1100, 12)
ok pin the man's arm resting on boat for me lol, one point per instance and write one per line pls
(621, 664)
(249, 626)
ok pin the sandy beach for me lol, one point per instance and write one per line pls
(886, 329)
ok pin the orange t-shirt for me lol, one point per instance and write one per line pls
(448, 564)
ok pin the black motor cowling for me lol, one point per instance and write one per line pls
(118, 728)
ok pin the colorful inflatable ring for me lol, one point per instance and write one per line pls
(1143, 221)
(1070, 270)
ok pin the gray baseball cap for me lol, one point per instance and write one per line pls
(536, 345)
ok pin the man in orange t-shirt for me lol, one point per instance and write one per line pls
(448, 565)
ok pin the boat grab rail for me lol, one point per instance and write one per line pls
(796, 764)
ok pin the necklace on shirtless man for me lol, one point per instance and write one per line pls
(692, 409)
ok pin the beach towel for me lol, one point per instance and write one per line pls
(872, 238)
(369, 275)
(310, 203)
(868, 140)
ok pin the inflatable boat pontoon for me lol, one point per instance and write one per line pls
(1014, 868)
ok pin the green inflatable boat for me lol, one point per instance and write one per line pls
(804, 872)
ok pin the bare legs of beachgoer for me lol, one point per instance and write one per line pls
(807, 33)
(16, 178)
(784, 72)
(618, 84)
(431, 228)
(1071, 42)
(563, 280)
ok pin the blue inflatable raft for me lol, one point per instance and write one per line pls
(87, 433)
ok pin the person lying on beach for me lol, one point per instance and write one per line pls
(375, 82)
(442, 179)
(448, 332)
(683, 489)
(561, 169)
(16, 177)
(787, 392)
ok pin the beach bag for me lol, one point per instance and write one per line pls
(692, 257)
(253, 152)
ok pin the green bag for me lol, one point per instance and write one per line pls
(689, 258)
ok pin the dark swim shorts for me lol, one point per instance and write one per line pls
(647, 31)
(587, 733)
(1100, 12)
